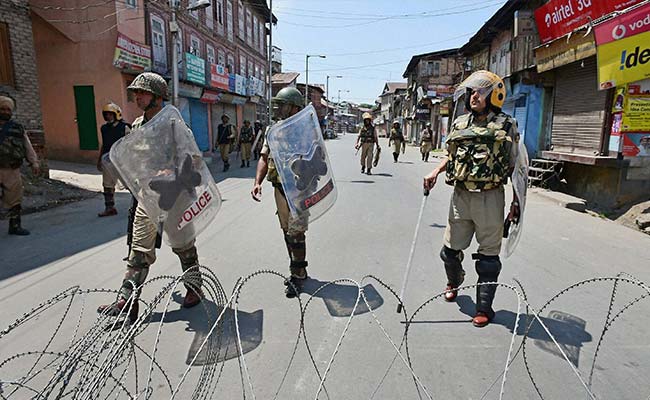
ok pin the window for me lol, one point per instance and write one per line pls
(159, 44)
(209, 16)
(210, 54)
(132, 3)
(6, 64)
(257, 72)
(229, 20)
(262, 38)
(220, 18)
(195, 45)
(249, 27)
(256, 32)
(221, 58)
(242, 65)
(240, 20)
(251, 69)
(231, 64)
(436, 68)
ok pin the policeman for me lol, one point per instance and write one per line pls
(426, 142)
(482, 152)
(113, 130)
(259, 137)
(149, 90)
(367, 139)
(286, 103)
(14, 147)
(225, 137)
(246, 138)
(397, 138)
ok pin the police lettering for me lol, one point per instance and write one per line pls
(195, 209)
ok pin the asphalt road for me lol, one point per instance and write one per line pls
(367, 232)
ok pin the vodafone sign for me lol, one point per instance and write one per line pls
(560, 17)
(626, 25)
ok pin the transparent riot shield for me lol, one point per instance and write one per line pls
(300, 156)
(163, 168)
(520, 185)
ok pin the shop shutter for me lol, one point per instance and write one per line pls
(579, 109)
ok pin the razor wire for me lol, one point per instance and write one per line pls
(105, 358)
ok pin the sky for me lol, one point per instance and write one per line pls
(370, 42)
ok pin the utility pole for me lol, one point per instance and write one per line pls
(327, 89)
(307, 75)
(270, 73)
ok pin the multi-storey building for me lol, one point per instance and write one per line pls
(87, 56)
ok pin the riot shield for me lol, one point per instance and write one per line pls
(163, 168)
(375, 161)
(520, 185)
(109, 168)
(300, 156)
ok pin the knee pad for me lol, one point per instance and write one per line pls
(487, 267)
(451, 256)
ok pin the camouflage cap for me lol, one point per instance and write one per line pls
(150, 82)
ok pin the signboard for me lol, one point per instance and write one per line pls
(422, 113)
(636, 115)
(189, 91)
(440, 90)
(560, 17)
(210, 96)
(219, 77)
(195, 69)
(255, 87)
(623, 48)
(240, 85)
(131, 55)
(636, 144)
(563, 52)
(524, 23)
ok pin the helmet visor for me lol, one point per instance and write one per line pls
(481, 82)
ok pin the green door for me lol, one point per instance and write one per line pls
(84, 98)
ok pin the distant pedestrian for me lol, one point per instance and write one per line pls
(113, 130)
(259, 139)
(14, 148)
(225, 138)
(367, 140)
(246, 138)
(397, 139)
(426, 142)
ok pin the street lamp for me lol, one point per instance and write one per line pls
(173, 28)
(344, 91)
(307, 75)
(327, 88)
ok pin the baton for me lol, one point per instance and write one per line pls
(415, 239)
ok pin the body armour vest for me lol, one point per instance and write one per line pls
(12, 145)
(246, 135)
(479, 158)
(367, 134)
(396, 134)
(427, 136)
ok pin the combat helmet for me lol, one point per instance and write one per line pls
(149, 82)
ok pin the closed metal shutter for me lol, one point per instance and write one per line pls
(579, 109)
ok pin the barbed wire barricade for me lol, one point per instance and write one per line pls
(85, 355)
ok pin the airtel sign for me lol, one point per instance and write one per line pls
(560, 17)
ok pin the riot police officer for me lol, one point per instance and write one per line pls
(286, 103)
(482, 152)
(113, 130)
(149, 90)
(426, 142)
(397, 139)
(366, 140)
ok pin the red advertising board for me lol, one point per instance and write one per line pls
(219, 77)
(623, 26)
(560, 17)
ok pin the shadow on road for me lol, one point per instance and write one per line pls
(384, 174)
(222, 344)
(438, 226)
(340, 299)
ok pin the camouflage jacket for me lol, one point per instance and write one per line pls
(427, 136)
(367, 135)
(246, 135)
(396, 134)
(481, 153)
(12, 145)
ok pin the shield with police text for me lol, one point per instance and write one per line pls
(300, 156)
(163, 168)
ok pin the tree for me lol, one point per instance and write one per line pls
(366, 105)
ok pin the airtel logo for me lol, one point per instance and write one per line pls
(619, 32)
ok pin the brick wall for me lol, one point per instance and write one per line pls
(25, 91)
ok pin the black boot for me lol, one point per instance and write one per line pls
(243, 164)
(363, 169)
(226, 166)
(488, 269)
(395, 156)
(15, 227)
(369, 172)
(295, 282)
(248, 163)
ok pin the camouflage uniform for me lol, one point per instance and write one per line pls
(396, 137)
(426, 144)
(246, 138)
(225, 136)
(14, 147)
(482, 154)
(367, 139)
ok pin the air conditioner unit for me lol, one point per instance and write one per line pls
(198, 4)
